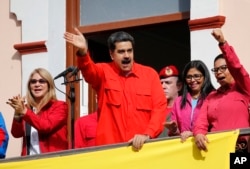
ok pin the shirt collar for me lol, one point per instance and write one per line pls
(225, 88)
(133, 72)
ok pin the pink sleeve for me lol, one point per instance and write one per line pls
(174, 118)
(201, 122)
(237, 70)
(173, 112)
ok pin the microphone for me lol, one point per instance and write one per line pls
(65, 72)
(74, 72)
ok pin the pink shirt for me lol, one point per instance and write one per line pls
(185, 117)
(228, 108)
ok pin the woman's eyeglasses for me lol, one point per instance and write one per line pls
(41, 81)
(222, 69)
(195, 77)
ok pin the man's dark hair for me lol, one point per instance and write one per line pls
(119, 37)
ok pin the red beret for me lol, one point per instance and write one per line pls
(169, 71)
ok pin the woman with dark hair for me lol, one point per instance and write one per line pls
(196, 86)
(227, 107)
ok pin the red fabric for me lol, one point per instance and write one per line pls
(226, 109)
(130, 105)
(51, 124)
(85, 131)
(2, 136)
(168, 71)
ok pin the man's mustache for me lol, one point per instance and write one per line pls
(126, 61)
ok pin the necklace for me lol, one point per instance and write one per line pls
(195, 97)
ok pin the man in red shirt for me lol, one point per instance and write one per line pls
(131, 102)
(85, 131)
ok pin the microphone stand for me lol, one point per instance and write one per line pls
(71, 97)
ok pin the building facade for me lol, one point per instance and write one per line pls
(166, 32)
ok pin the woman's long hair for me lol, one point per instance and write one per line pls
(207, 85)
(50, 95)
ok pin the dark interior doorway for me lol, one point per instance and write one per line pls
(156, 45)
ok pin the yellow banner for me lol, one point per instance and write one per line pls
(160, 154)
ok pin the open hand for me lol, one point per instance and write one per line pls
(77, 39)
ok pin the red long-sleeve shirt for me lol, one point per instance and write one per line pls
(226, 109)
(51, 125)
(85, 131)
(130, 105)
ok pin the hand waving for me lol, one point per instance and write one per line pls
(78, 40)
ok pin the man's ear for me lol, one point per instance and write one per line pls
(179, 86)
(111, 55)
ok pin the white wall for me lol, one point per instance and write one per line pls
(27, 21)
(203, 46)
(237, 26)
(236, 30)
(43, 20)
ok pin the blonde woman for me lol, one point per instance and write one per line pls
(40, 118)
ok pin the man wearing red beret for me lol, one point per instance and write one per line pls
(171, 85)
